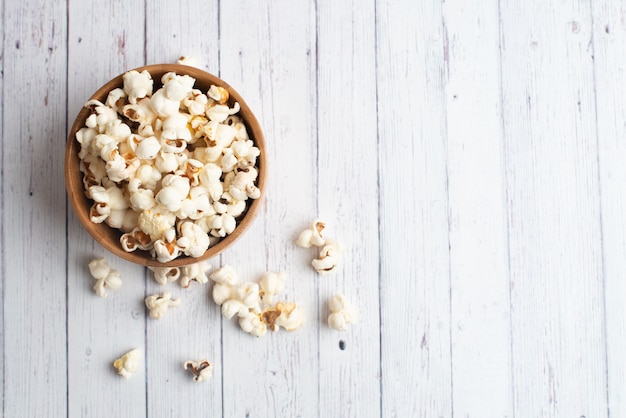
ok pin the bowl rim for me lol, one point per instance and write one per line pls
(74, 178)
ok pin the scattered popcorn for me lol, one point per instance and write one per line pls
(328, 259)
(190, 61)
(202, 369)
(291, 316)
(158, 304)
(163, 275)
(225, 275)
(330, 253)
(105, 276)
(252, 302)
(286, 315)
(312, 236)
(271, 284)
(194, 272)
(175, 162)
(128, 363)
(342, 314)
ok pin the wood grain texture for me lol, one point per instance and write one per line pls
(414, 256)
(268, 56)
(480, 317)
(101, 330)
(609, 49)
(348, 201)
(34, 242)
(191, 331)
(468, 159)
(2, 241)
(554, 221)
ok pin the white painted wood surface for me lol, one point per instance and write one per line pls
(470, 158)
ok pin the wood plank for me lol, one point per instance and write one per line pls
(347, 199)
(557, 300)
(609, 49)
(267, 52)
(2, 241)
(101, 330)
(33, 248)
(414, 246)
(192, 330)
(480, 317)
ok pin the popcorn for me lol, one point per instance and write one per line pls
(219, 94)
(157, 223)
(252, 302)
(162, 105)
(177, 87)
(221, 293)
(176, 162)
(104, 275)
(163, 275)
(252, 324)
(148, 148)
(193, 241)
(271, 284)
(174, 190)
(175, 127)
(234, 307)
(116, 99)
(328, 259)
(342, 314)
(194, 272)
(201, 369)
(225, 275)
(159, 304)
(141, 112)
(136, 239)
(312, 236)
(137, 85)
(165, 251)
(219, 113)
(196, 102)
(291, 316)
(128, 363)
(330, 253)
(190, 61)
(243, 186)
(286, 315)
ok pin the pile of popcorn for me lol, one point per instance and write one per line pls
(173, 169)
(253, 303)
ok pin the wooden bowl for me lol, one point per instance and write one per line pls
(109, 237)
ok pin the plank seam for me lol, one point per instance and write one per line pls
(601, 220)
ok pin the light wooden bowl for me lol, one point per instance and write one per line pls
(109, 237)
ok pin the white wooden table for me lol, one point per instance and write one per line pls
(470, 156)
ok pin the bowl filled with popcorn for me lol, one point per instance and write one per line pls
(165, 165)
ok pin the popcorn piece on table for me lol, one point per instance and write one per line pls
(202, 369)
(194, 272)
(128, 363)
(189, 61)
(287, 315)
(271, 284)
(159, 304)
(329, 258)
(342, 314)
(104, 275)
(312, 236)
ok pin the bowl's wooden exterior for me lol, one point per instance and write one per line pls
(109, 237)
